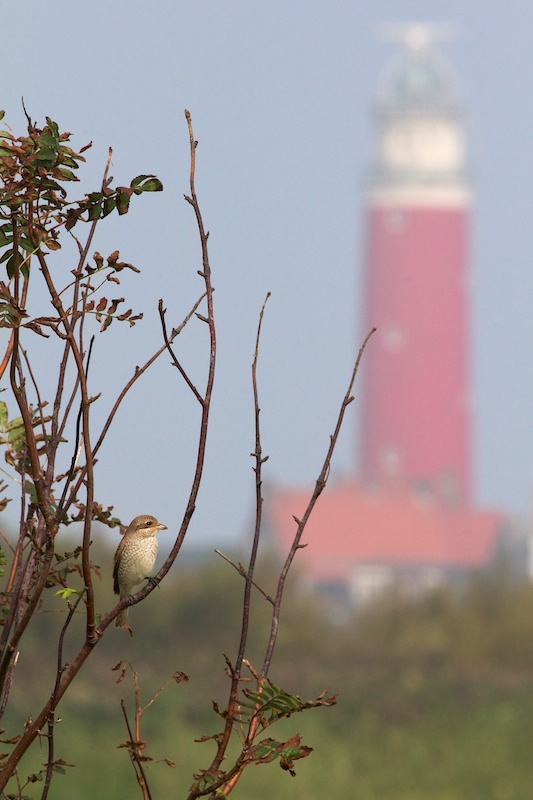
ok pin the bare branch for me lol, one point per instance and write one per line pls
(53, 702)
(76, 448)
(135, 757)
(319, 487)
(258, 458)
(206, 404)
(242, 571)
(175, 362)
(57, 428)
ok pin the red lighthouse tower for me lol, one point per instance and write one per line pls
(415, 408)
(407, 518)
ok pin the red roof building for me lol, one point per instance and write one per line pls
(361, 539)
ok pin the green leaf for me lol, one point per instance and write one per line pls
(138, 180)
(106, 323)
(2, 114)
(48, 141)
(73, 216)
(15, 433)
(31, 490)
(47, 154)
(26, 245)
(95, 211)
(110, 204)
(10, 266)
(67, 160)
(123, 200)
(146, 183)
(67, 174)
(3, 415)
(4, 239)
(66, 592)
(53, 126)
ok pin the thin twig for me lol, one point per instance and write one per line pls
(11, 343)
(53, 704)
(40, 404)
(135, 758)
(45, 533)
(75, 454)
(258, 460)
(175, 362)
(319, 487)
(86, 438)
(241, 570)
(56, 427)
(233, 775)
(62, 509)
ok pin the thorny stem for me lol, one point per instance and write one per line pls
(139, 770)
(259, 460)
(89, 462)
(74, 458)
(53, 701)
(43, 481)
(176, 363)
(205, 273)
(134, 740)
(11, 344)
(319, 487)
(137, 374)
(57, 428)
(241, 570)
(19, 391)
(226, 784)
(45, 535)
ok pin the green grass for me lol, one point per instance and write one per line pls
(435, 697)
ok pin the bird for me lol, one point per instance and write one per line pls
(134, 558)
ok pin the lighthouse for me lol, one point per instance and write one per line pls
(406, 516)
(415, 419)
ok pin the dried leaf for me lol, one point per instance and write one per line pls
(33, 326)
(122, 666)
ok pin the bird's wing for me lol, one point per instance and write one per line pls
(116, 560)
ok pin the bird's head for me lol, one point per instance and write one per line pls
(146, 525)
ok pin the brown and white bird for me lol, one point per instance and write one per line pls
(135, 558)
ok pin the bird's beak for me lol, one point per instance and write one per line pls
(161, 527)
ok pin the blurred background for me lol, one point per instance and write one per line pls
(282, 98)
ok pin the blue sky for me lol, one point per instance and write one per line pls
(281, 96)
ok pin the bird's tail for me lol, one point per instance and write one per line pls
(120, 621)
